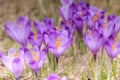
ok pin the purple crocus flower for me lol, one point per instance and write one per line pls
(53, 76)
(43, 26)
(19, 31)
(93, 41)
(112, 47)
(36, 38)
(67, 11)
(57, 42)
(36, 58)
(111, 27)
(94, 15)
(14, 61)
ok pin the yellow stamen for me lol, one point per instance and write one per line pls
(35, 58)
(80, 13)
(113, 47)
(57, 42)
(90, 33)
(15, 54)
(33, 53)
(95, 18)
(115, 40)
(20, 25)
(114, 44)
(105, 25)
(35, 35)
(94, 40)
(57, 28)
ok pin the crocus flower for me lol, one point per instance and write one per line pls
(53, 76)
(14, 62)
(93, 41)
(67, 11)
(94, 15)
(36, 38)
(43, 26)
(111, 27)
(112, 47)
(57, 42)
(36, 58)
(19, 31)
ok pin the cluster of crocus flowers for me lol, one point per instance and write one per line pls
(56, 40)
(98, 30)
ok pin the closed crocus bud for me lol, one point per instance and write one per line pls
(93, 40)
(112, 47)
(19, 31)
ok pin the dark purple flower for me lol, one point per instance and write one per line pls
(95, 14)
(36, 38)
(14, 61)
(112, 47)
(93, 41)
(43, 26)
(36, 58)
(19, 31)
(57, 41)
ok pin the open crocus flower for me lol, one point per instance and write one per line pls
(43, 26)
(35, 59)
(57, 42)
(36, 38)
(93, 41)
(53, 76)
(14, 62)
(19, 31)
(112, 47)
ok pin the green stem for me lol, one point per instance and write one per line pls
(108, 69)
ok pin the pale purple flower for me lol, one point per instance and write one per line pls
(112, 47)
(36, 58)
(14, 61)
(19, 31)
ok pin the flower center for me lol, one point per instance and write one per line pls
(35, 58)
(114, 44)
(57, 28)
(91, 33)
(95, 17)
(35, 35)
(15, 54)
(57, 42)
(20, 25)
(105, 25)
(80, 13)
